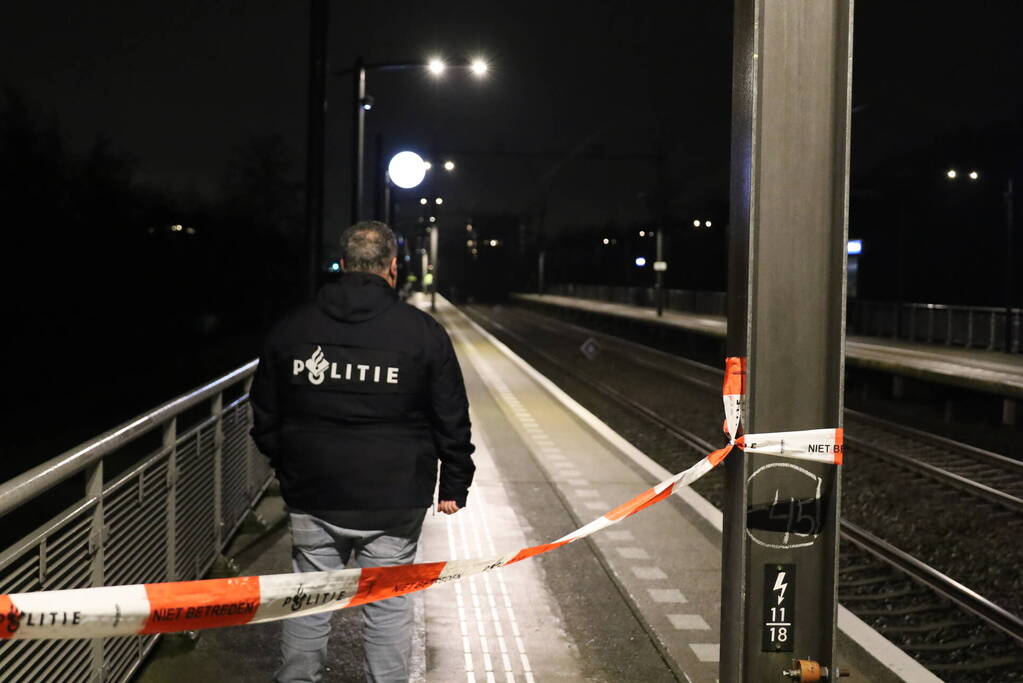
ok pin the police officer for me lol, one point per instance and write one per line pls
(356, 399)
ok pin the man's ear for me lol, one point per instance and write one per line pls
(393, 268)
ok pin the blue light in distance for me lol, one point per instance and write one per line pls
(855, 247)
(335, 267)
(640, 261)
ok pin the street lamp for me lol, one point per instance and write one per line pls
(362, 103)
(1007, 196)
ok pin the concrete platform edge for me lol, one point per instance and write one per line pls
(863, 646)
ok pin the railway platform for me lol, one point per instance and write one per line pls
(637, 602)
(989, 372)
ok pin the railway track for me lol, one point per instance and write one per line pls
(952, 629)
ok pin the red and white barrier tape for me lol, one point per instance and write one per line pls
(192, 605)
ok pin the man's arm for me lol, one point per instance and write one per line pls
(449, 416)
(266, 418)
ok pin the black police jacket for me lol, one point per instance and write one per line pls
(356, 398)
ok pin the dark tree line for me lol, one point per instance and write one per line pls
(119, 292)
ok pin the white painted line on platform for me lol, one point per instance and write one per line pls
(706, 652)
(597, 505)
(688, 622)
(649, 573)
(633, 553)
(667, 595)
(578, 482)
(587, 493)
(619, 535)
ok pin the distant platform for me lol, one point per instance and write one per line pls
(986, 371)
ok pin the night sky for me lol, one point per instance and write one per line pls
(178, 86)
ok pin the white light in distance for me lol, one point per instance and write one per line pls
(439, 200)
(479, 67)
(707, 223)
(407, 169)
(642, 233)
(423, 200)
(436, 66)
(951, 174)
(640, 261)
(493, 243)
(449, 166)
(696, 224)
(974, 175)
(855, 247)
(607, 241)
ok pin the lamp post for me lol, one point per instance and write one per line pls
(1010, 260)
(362, 103)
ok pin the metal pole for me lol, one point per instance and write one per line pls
(358, 136)
(659, 287)
(1009, 264)
(387, 197)
(789, 204)
(316, 117)
(541, 257)
(433, 265)
(379, 178)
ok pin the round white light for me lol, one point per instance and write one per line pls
(479, 67)
(642, 233)
(640, 261)
(607, 241)
(449, 166)
(427, 165)
(952, 173)
(407, 169)
(974, 175)
(493, 243)
(707, 223)
(440, 200)
(433, 219)
(436, 66)
(422, 201)
(696, 224)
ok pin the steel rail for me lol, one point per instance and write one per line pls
(965, 598)
(982, 491)
(20, 489)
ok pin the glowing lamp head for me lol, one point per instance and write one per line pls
(640, 261)
(449, 166)
(951, 174)
(479, 67)
(407, 170)
(436, 66)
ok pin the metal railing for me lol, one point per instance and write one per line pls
(166, 515)
(707, 303)
(972, 327)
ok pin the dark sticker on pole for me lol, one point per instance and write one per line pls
(779, 606)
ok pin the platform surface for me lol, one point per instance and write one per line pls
(975, 369)
(637, 602)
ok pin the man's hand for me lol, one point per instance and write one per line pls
(448, 507)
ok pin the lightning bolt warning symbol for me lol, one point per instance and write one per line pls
(780, 585)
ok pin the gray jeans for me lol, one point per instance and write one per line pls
(386, 625)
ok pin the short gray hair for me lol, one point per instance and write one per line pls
(368, 247)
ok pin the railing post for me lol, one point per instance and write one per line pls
(991, 331)
(170, 438)
(217, 411)
(969, 328)
(250, 454)
(97, 559)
